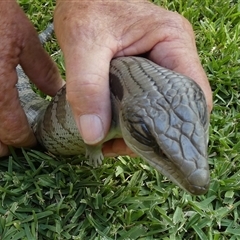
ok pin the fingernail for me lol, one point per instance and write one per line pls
(91, 129)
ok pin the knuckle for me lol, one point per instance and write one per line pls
(184, 23)
(15, 140)
(176, 25)
(9, 56)
(14, 131)
(9, 94)
(78, 92)
(90, 98)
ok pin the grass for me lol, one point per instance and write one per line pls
(42, 197)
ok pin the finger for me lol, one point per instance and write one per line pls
(14, 127)
(41, 70)
(117, 147)
(19, 43)
(87, 73)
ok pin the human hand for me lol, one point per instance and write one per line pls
(91, 33)
(20, 45)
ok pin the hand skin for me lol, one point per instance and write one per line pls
(91, 33)
(20, 45)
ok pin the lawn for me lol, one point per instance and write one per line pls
(42, 197)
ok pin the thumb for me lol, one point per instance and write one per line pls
(87, 75)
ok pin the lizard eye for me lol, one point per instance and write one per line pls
(141, 133)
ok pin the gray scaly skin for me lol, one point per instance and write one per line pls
(161, 115)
